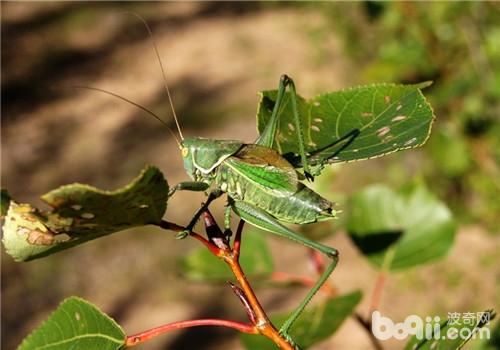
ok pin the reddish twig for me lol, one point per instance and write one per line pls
(176, 228)
(261, 323)
(377, 293)
(367, 326)
(244, 301)
(138, 338)
(317, 261)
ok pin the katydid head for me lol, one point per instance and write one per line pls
(201, 156)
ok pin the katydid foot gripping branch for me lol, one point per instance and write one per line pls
(265, 184)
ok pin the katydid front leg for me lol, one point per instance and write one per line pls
(197, 186)
(227, 218)
(268, 135)
(263, 220)
(211, 197)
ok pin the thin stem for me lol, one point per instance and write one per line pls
(261, 325)
(138, 338)
(244, 301)
(375, 298)
(367, 326)
(261, 316)
(167, 225)
(317, 260)
(377, 293)
(380, 281)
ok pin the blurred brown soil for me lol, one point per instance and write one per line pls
(218, 56)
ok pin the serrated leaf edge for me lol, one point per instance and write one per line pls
(61, 304)
(418, 86)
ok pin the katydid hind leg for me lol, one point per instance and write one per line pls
(265, 221)
(267, 138)
(299, 130)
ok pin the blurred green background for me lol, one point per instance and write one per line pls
(218, 56)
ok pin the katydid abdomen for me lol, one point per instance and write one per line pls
(303, 207)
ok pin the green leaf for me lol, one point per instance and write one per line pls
(78, 325)
(389, 118)
(314, 325)
(82, 213)
(400, 229)
(451, 336)
(493, 343)
(450, 152)
(255, 258)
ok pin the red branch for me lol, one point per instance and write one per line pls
(151, 333)
(377, 293)
(256, 313)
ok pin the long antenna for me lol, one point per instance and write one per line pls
(163, 71)
(135, 104)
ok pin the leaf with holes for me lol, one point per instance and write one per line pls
(314, 325)
(82, 213)
(397, 230)
(255, 258)
(353, 124)
(76, 324)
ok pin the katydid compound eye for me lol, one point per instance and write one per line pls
(184, 152)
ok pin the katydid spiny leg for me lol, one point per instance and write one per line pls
(265, 221)
(268, 136)
(298, 127)
(350, 137)
(325, 155)
(227, 218)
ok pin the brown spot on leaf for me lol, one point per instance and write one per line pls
(367, 114)
(38, 237)
(387, 99)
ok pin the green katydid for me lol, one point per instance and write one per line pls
(263, 188)
(264, 180)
